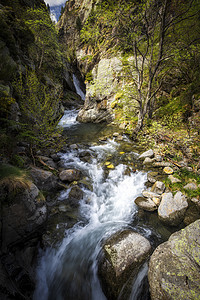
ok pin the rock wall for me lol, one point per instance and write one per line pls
(100, 92)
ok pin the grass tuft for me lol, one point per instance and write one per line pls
(13, 179)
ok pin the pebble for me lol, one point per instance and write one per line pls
(168, 170)
(173, 179)
(190, 186)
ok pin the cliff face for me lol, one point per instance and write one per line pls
(30, 54)
(100, 70)
(138, 84)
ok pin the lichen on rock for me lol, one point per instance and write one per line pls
(174, 266)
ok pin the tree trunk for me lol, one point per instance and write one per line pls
(139, 125)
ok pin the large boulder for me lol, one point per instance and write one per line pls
(45, 180)
(22, 215)
(122, 256)
(174, 269)
(172, 209)
(70, 175)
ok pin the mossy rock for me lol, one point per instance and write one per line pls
(121, 257)
(174, 266)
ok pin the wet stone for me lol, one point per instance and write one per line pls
(146, 204)
(151, 176)
(70, 175)
(172, 209)
(149, 194)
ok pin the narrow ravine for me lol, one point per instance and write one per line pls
(70, 270)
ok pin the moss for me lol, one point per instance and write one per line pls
(89, 77)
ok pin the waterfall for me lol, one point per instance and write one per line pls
(78, 87)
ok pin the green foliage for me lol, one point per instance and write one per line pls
(17, 161)
(97, 30)
(62, 11)
(89, 77)
(45, 51)
(159, 51)
(185, 176)
(38, 108)
(78, 24)
(8, 170)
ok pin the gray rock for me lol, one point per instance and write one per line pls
(149, 194)
(162, 164)
(119, 138)
(151, 176)
(23, 215)
(174, 266)
(148, 153)
(62, 208)
(75, 195)
(196, 201)
(122, 255)
(172, 209)
(48, 161)
(146, 203)
(192, 214)
(45, 180)
(173, 179)
(115, 134)
(55, 157)
(158, 158)
(158, 187)
(73, 147)
(70, 175)
(147, 161)
(191, 186)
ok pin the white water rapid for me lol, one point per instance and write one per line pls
(70, 272)
(69, 118)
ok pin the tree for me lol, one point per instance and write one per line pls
(147, 36)
(39, 109)
(45, 50)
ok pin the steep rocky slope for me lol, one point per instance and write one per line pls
(100, 37)
(33, 74)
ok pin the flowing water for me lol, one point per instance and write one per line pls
(70, 270)
(78, 87)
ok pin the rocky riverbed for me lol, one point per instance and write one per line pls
(61, 197)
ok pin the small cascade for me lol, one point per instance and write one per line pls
(69, 118)
(78, 87)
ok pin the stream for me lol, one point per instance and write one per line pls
(69, 268)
